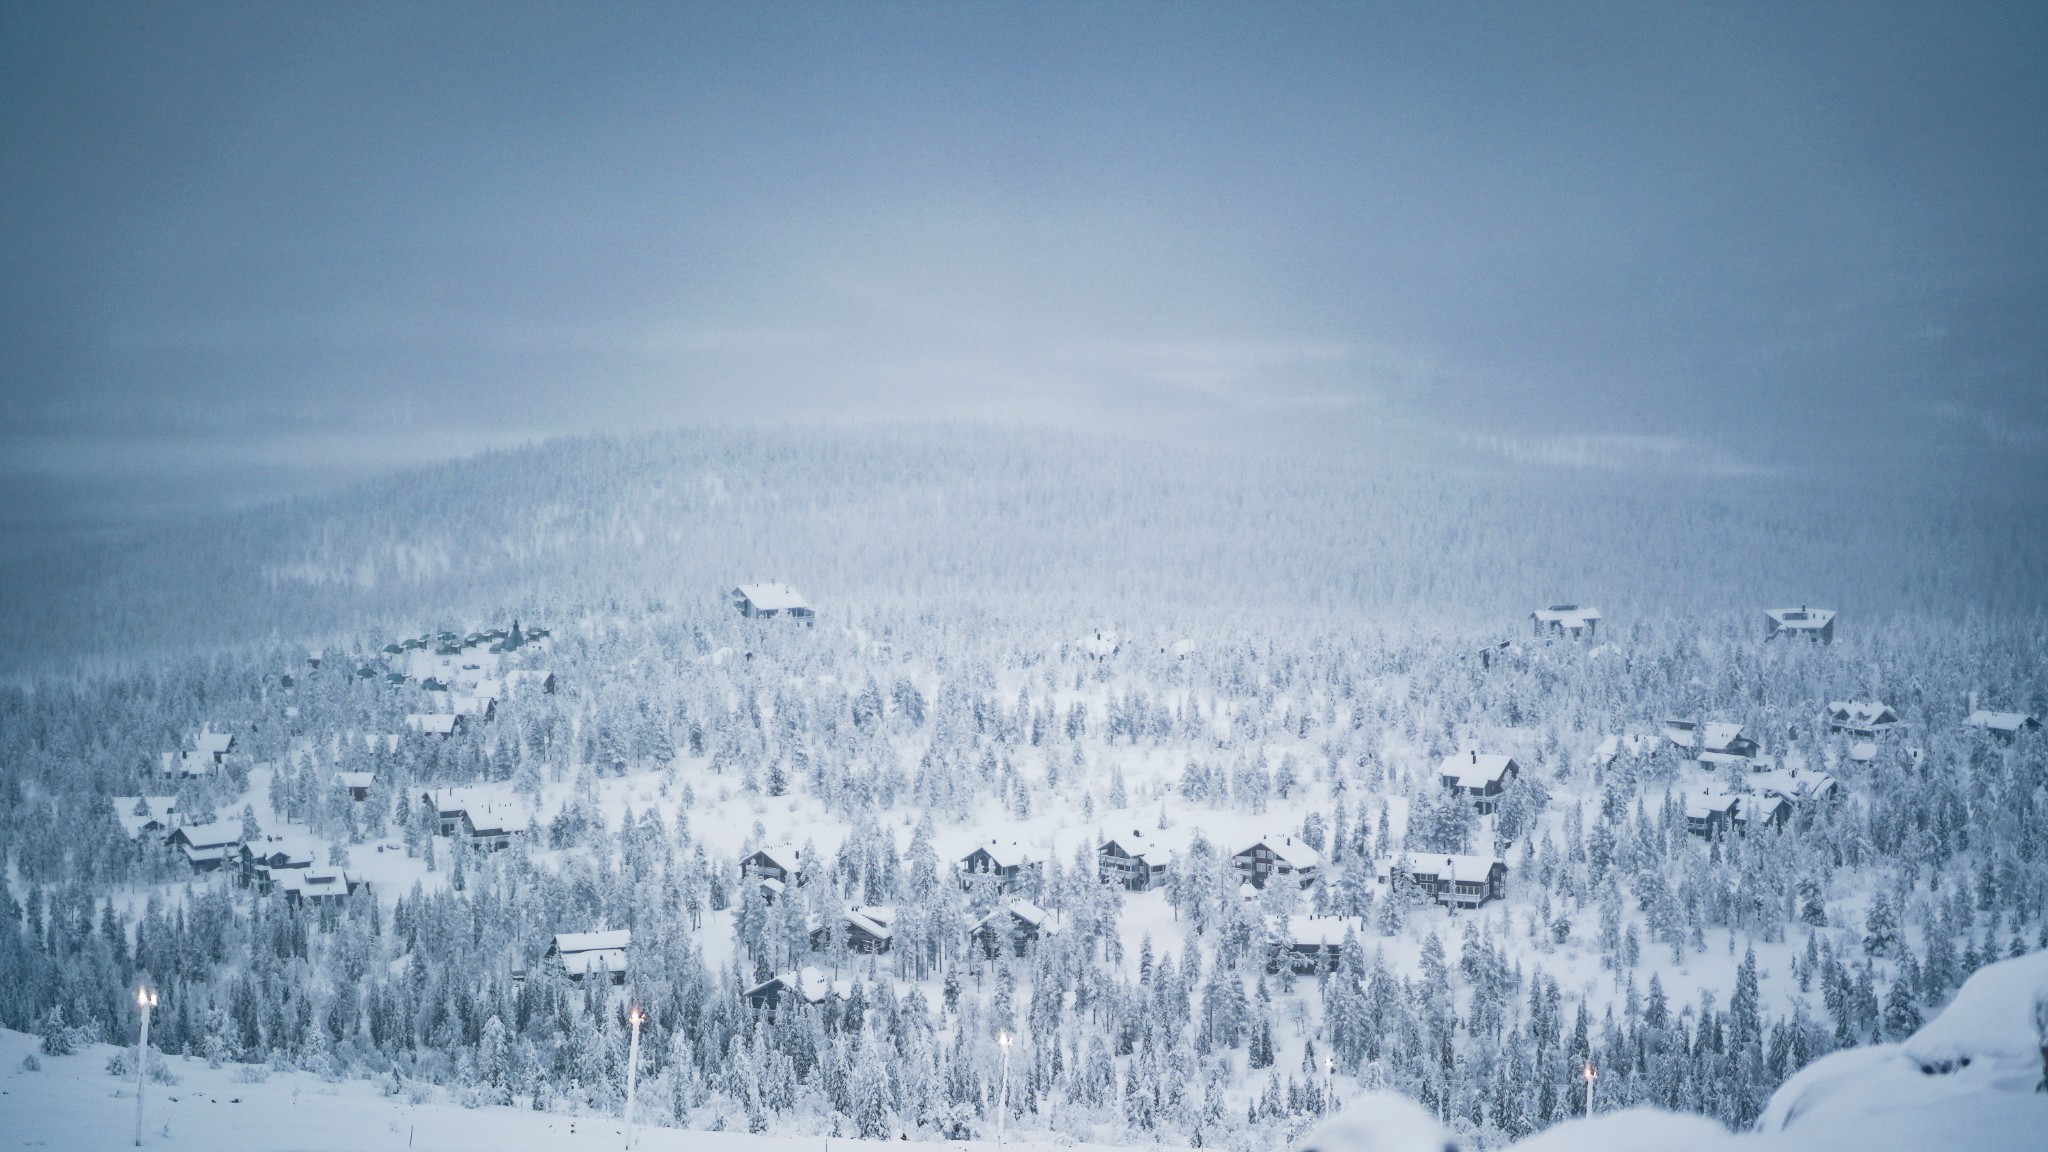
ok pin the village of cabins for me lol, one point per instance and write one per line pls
(465, 677)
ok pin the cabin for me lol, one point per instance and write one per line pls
(2006, 726)
(1708, 813)
(1723, 743)
(867, 929)
(1018, 924)
(1684, 734)
(317, 886)
(583, 953)
(1313, 944)
(213, 744)
(1478, 777)
(780, 863)
(1861, 717)
(766, 601)
(142, 816)
(808, 986)
(207, 846)
(1566, 620)
(486, 821)
(442, 724)
(1488, 653)
(1762, 812)
(357, 783)
(1133, 863)
(1817, 624)
(1006, 860)
(263, 862)
(1453, 880)
(1282, 856)
(1794, 785)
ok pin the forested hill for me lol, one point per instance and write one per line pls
(1029, 527)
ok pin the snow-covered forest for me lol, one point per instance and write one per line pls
(1035, 645)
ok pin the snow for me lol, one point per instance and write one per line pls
(73, 1105)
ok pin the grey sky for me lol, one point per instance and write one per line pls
(249, 248)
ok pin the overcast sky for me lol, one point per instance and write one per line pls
(252, 248)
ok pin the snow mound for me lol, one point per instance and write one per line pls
(1968, 1080)
(1636, 1130)
(1380, 1122)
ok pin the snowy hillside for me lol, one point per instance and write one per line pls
(1102, 801)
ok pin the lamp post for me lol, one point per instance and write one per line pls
(633, 1017)
(145, 999)
(1003, 1098)
(1590, 1075)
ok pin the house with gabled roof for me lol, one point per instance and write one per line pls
(868, 929)
(1133, 862)
(262, 861)
(1861, 717)
(1708, 812)
(1455, 880)
(1727, 743)
(805, 987)
(1479, 777)
(1313, 943)
(1009, 861)
(207, 846)
(358, 784)
(1017, 924)
(214, 744)
(2004, 725)
(1283, 856)
(1811, 623)
(319, 885)
(582, 953)
(768, 600)
(1567, 620)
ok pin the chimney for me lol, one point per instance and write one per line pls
(1475, 755)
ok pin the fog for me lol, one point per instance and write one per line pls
(252, 251)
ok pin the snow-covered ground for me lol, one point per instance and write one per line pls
(1972, 1080)
(74, 1103)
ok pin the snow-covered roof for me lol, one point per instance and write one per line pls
(214, 743)
(1865, 714)
(1791, 783)
(876, 920)
(1566, 615)
(771, 597)
(1801, 619)
(432, 723)
(2006, 722)
(1307, 931)
(1863, 751)
(1005, 853)
(1287, 849)
(783, 856)
(1684, 733)
(613, 940)
(1703, 804)
(1720, 736)
(219, 834)
(1476, 769)
(356, 779)
(1759, 809)
(1463, 869)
